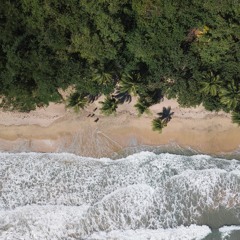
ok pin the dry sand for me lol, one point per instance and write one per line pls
(55, 129)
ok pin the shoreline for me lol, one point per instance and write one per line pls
(55, 129)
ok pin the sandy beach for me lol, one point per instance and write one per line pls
(55, 129)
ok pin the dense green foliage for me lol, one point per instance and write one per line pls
(158, 125)
(236, 117)
(77, 101)
(189, 50)
(109, 105)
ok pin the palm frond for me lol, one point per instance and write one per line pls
(77, 101)
(141, 107)
(230, 96)
(211, 85)
(109, 106)
(236, 118)
(102, 78)
(158, 125)
(128, 85)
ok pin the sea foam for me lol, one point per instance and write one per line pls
(159, 196)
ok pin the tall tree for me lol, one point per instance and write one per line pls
(211, 85)
(230, 95)
(109, 105)
(77, 101)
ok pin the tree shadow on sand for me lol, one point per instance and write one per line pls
(92, 98)
(166, 114)
(123, 97)
(164, 117)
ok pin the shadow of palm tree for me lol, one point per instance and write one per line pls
(123, 97)
(92, 98)
(166, 114)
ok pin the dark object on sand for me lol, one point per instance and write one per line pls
(93, 115)
(96, 120)
(89, 115)
(95, 109)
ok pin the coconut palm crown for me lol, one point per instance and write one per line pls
(102, 78)
(128, 84)
(109, 105)
(77, 101)
(230, 95)
(236, 118)
(211, 85)
(142, 106)
(158, 124)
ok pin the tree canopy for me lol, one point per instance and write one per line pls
(189, 50)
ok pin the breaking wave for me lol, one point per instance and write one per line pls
(142, 196)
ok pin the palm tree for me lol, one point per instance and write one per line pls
(77, 101)
(128, 85)
(142, 106)
(102, 78)
(211, 85)
(109, 105)
(158, 124)
(166, 114)
(230, 96)
(236, 118)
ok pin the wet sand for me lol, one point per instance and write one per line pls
(55, 129)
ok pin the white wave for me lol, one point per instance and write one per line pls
(130, 207)
(41, 222)
(229, 228)
(226, 231)
(199, 196)
(143, 190)
(192, 232)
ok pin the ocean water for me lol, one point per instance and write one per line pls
(140, 196)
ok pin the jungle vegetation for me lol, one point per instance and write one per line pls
(188, 50)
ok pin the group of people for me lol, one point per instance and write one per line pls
(93, 114)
